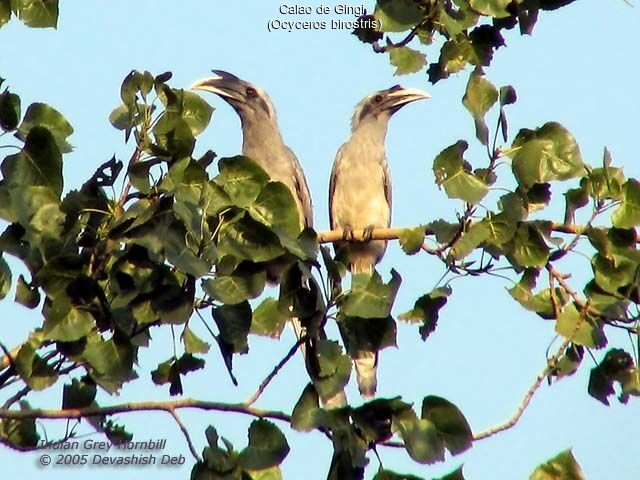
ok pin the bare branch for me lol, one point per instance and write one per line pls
(393, 233)
(185, 432)
(7, 358)
(166, 406)
(527, 398)
(265, 383)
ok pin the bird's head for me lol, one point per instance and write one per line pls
(249, 101)
(379, 106)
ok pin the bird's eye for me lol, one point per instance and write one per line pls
(251, 92)
(378, 98)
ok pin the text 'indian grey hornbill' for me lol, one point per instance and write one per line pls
(263, 143)
(360, 196)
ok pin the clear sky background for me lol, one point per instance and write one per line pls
(580, 68)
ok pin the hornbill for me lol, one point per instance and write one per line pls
(360, 197)
(263, 143)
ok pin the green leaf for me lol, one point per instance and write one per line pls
(614, 367)
(508, 95)
(33, 370)
(193, 343)
(546, 154)
(445, 232)
(9, 107)
(307, 414)
(5, 278)
(246, 283)
(334, 369)
(492, 8)
(627, 215)
(20, 433)
(189, 107)
(267, 447)
(397, 15)
(407, 60)
(455, 475)
(470, 240)
(67, 323)
(26, 295)
(242, 179)
(5, 13)
(276, 208)
(250, 240)
(273, 473)
(452, 426)
(33, 176)
(268, 320)
(420, 437)
(111, 361)
(454, 173)
(389, 475)
(373, 299)
(411, 239)
(541, 302)
(374, 419)
(234, 323)
(528, 247)
(38, 13)
(561, 467)
(80, 393)
(45, 116)
(479, 97)
(426, 310)
(182, 253)
(580, 327)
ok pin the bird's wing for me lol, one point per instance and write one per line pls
(302, 190)
(332, 184)
(386, 178)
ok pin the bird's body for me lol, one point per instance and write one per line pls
(263, 143)
(270, 155)
(358, 208)
(360, 197)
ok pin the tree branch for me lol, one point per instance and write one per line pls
(393, 233)
(166, 406)
(527, 398)
(265, 383)
(185, 432)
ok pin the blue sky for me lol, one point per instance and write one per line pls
(579, 69)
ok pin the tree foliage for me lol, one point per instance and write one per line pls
(184, 240)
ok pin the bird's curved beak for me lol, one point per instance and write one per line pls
(223, 84)
(399, 97)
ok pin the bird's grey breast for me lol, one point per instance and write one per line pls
(360, 177)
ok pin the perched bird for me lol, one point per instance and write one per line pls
(261, 138)
(262, 142)
(360, 196)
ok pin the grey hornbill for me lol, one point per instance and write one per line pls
(360, 197)
(262, 142)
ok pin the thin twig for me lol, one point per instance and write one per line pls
(17, 397)
(185, 432)
(527, 398)
(405, 41)
(265, 383)
(9, 355)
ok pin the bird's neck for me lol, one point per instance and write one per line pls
(259, 130)
(372, 131)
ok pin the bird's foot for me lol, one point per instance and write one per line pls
(347, 233)
(367, 233)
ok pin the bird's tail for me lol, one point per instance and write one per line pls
(339, 399)
(362, 263)
(366, 373)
